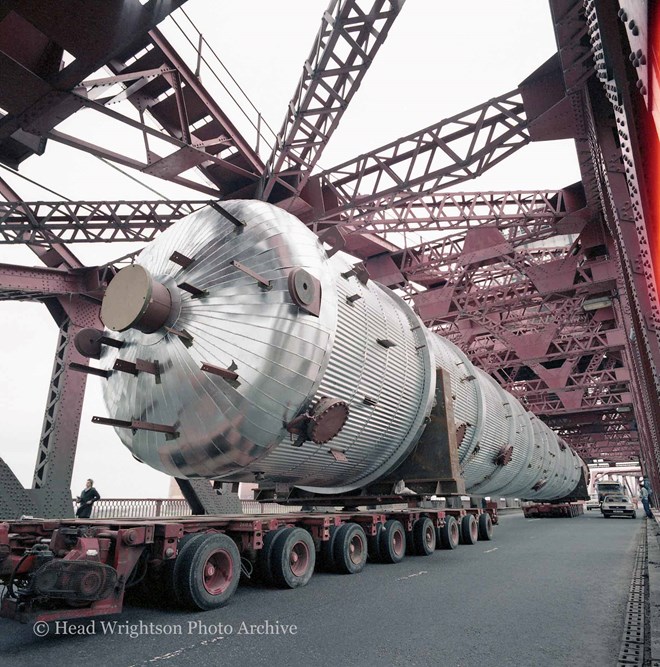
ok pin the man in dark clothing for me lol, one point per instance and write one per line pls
(86, 499)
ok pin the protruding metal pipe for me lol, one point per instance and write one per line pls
(134, 300)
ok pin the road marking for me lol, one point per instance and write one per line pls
(410, 576)
(177, 652)
(491, 550)
(530, 520)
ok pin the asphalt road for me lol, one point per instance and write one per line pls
(546, 592)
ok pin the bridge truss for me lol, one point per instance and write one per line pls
(554, 293)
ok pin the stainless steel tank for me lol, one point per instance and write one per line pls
(250, 354)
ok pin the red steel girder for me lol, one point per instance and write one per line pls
(600, 381)
(614, 114)
(613, 442)
(550, 270)
(584, 430)
(615, 455)
(516, 213)
(33, 37)
(159, 82)
(22, 283)
(554, 405)
(623, 161)
(574, 397)
(524, 316)
(551, 265)
(51, 485)
(72, 295)
(630, 436)
(89, 221)
(490, 354)
(218, 135)
(596, 421)
(511, 292)
(452, 151)
(351, 33)
(609, 120)
(149, 73)
(622, 439)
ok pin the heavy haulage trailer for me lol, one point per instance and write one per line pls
(240, 349)
(56, 570)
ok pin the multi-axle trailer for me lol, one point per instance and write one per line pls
(65, 569)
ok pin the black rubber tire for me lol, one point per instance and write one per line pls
(392, 542)
(326, 558)
(157, 588)
(449, 534)
(264, 556)
(469, 530)
(485, 527)
(373, 545)
(350, 549)
(423, 537)
(207, 571)
(169, 567)
(633, 515)
(606, 515)
(293, 558)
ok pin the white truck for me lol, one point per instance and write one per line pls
(607, 488)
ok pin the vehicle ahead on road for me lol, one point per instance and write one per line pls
(618, 505)
(609, 488)
(593, 503)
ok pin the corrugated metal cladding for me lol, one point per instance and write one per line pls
(366, 348)
(494, 421)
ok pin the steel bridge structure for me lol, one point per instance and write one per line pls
(554, 293)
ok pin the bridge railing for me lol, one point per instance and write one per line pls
(153, 508)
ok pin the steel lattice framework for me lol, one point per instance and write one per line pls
(553, 293)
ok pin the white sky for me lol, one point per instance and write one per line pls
(440, 58)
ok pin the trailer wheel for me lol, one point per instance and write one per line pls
(485, 527)
(373, 545)
(293, 558)
(169, 568)
(449, 534)
(326, 557)
(424, 538)
(392, 542)
(469, 530)
(156, 587)
(350, 549)
(265, 556)
(208, 571)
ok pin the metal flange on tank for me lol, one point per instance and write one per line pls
(248, 353)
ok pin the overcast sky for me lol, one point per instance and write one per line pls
(439, 59)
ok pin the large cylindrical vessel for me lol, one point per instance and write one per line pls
(250, 354)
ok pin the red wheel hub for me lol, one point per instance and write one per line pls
(218, 572)
(356, 549)
(397, 542)
(299, 559)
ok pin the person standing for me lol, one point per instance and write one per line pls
(644, 497)
(87, 498)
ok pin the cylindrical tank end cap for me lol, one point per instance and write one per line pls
(134, 300)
